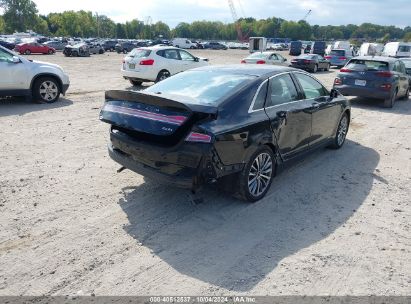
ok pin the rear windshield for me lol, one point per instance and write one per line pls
(306, 56)
(367, 65)
(203, 87)
(139, 53)
(338, 52)
(257, 55)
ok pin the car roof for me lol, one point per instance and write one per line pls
(248, 69)
(376, 58)
(157, 47)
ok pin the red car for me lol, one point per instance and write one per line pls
(34, 48)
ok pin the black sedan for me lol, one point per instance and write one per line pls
(311, 62)
(229, 123)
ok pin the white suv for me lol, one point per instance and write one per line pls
(156, 63)
(44, 82)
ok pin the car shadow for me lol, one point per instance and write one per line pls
(234, 244)
(20, 106)
(402, 107)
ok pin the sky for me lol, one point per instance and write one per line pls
(324, 12)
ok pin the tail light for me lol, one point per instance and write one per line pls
(260, 62)
(342, 58)
(386, 74)
(344, 70)
(337, 81)
(307, 61)
(327, 57)
(386, 87)
(243, 61)
(147, 62)
(198, 137)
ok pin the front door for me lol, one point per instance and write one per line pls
(290, 122)
(325, 113)
(13, 75)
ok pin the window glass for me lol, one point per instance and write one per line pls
(282, 90)
(367, 65)
(201, 87)
(5, 56)
(273, 57)
(186, 56)
(311, 87)
(337, 53)
(139, 53)
(404, 48)
(171, 54)
(260, 98)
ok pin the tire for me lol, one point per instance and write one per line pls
(327, 68)
(162, 75)
(407, 95)
(50, 52)
(135, 82)
(389, 102)
(46, 90)
(251, 178)
(101, 52)
(27, 52)
(125, 51)
(74, 54)
(315, 69)
(341, 134)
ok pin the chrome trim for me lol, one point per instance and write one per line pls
(250, 109)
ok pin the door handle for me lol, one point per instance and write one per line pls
(282, 114)
(315, 106)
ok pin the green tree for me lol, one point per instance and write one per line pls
(2, 25)
(120, 31)
(407, 37)
(19, 15)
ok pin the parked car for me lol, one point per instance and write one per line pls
(57, 45)
(311, 62)
(43, 82)
(235, 124)
(77, 50)
(307, 49)
(109, 45)
(374, 77)
(265, 58)
(33, 48)
(407, 63)
(213, 45)
(295, 48)
(124, 47)
(319, 48)
(7, 45)
(96, 48)
(370, 49)
(157, 63)
(397, 49)
(183, 43)
(338, 58)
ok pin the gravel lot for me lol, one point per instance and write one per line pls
(337, 223)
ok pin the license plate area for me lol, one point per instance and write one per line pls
(131, 66)
(360, 82)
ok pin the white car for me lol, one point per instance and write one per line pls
(265, 58)
(156, 63)
(44, 82)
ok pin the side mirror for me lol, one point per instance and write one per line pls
(284, 59)
(334, 93)
(16, 59)
(196, 59)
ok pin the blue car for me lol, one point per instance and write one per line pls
(339, 57)
(374, 77)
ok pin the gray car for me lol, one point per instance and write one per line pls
(57, 45)
(407, 62)
(374, 77)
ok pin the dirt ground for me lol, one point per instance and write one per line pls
(337, 223)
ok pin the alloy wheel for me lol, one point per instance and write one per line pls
(260, 174)
(342, 130)
(48, 90)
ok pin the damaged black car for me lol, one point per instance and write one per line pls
(224, 123)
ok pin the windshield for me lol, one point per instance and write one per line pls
(367, 65)
(338, 52)
(139, 53)
(204, 87)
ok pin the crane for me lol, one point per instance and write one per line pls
(306, 15)
(240, 35)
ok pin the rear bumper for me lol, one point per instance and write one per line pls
(302, 66)
(348, 90)
(139, 75)
(184, 166)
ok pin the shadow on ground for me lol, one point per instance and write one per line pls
(234, 244)
(20, 106)
(402, 107)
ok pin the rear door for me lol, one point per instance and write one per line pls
(325, 113)
(287, 110)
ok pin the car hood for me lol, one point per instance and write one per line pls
(47, 64)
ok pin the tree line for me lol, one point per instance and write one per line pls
(22, 15)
